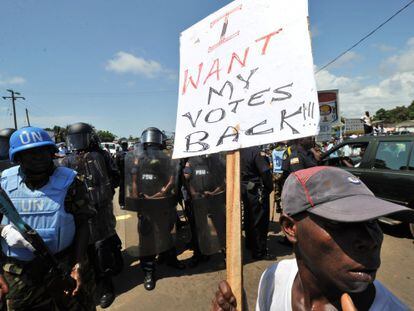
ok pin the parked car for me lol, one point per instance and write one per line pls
(384, 163)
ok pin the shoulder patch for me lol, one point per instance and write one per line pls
(294, 160)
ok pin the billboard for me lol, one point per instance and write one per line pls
(354, 126)
(329, 113)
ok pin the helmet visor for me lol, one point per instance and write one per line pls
(79, 141)
(4, 148)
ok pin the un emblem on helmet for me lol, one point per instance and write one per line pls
(354, 180)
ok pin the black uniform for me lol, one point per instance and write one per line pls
(256, 186)
(101, 177)
(120, 163)
(297, 158)
(204, 178)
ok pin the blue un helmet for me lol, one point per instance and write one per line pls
(28, 138)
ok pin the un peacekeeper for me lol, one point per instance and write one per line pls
(256, 186)
(52, 201)
(278, 153)
(300, 155)
(152, 140)
(4, 148)
(101, 176)
(120, 163)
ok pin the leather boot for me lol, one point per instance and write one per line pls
(107, 290)
(149, 280)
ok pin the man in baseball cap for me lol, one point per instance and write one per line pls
(330, 217)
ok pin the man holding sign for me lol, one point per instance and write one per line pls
(330, 217)
(246, 79)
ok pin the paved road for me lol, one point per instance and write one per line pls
(193, 289)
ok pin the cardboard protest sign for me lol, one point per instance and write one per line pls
(246, 78)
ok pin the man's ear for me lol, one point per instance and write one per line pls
(289, 227)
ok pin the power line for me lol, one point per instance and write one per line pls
(366, 37)
(13, 97)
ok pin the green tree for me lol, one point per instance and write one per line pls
(59, 132)
(395, 115)
(106, 136)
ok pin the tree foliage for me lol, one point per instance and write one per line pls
(60, 133)
(396, 115)
(106, 136)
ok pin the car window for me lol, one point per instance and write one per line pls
(348, 155)
(411, 163)
(392, 155)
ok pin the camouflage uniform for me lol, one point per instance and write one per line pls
(28, 281)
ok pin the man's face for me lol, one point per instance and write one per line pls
(343, 255)
(36, 160)
(362, 152)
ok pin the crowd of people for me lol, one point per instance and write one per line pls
(67, 198)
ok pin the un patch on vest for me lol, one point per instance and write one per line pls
(294, 161)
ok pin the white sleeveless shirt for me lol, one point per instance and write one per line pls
(275, 290)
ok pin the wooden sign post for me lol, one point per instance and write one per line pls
(233, 227)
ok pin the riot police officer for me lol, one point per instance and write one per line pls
(51, 200)
(256, 186)
(120, 163)
(204, 180)
(300, 155)
(101, 177)
(150, 191)
(4, 148)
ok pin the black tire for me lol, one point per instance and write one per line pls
(412, 229)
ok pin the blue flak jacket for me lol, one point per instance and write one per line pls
(42, 209)
(277, 156)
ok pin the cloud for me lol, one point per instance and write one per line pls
(126, 63)
(384, 47)
(357, 96)
(326, 80)
(403, 61)
(16, 80)
(347, 59)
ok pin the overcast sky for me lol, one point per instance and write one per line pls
(115, 64)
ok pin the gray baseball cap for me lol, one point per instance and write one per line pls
(336, 194)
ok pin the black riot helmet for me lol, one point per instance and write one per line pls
(81, 136)
(152, 137)
(4, 142)
(123, 142)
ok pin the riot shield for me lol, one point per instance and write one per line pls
(91, 167)
(150, 180)
(205, 176)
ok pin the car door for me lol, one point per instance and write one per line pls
(389, 176)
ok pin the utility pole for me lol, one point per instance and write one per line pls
(27, 117)
(13, 97)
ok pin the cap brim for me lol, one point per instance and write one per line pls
(360, 208)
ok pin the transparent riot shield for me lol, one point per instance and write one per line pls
(92, 169)
(205, 177)
(150, 194)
